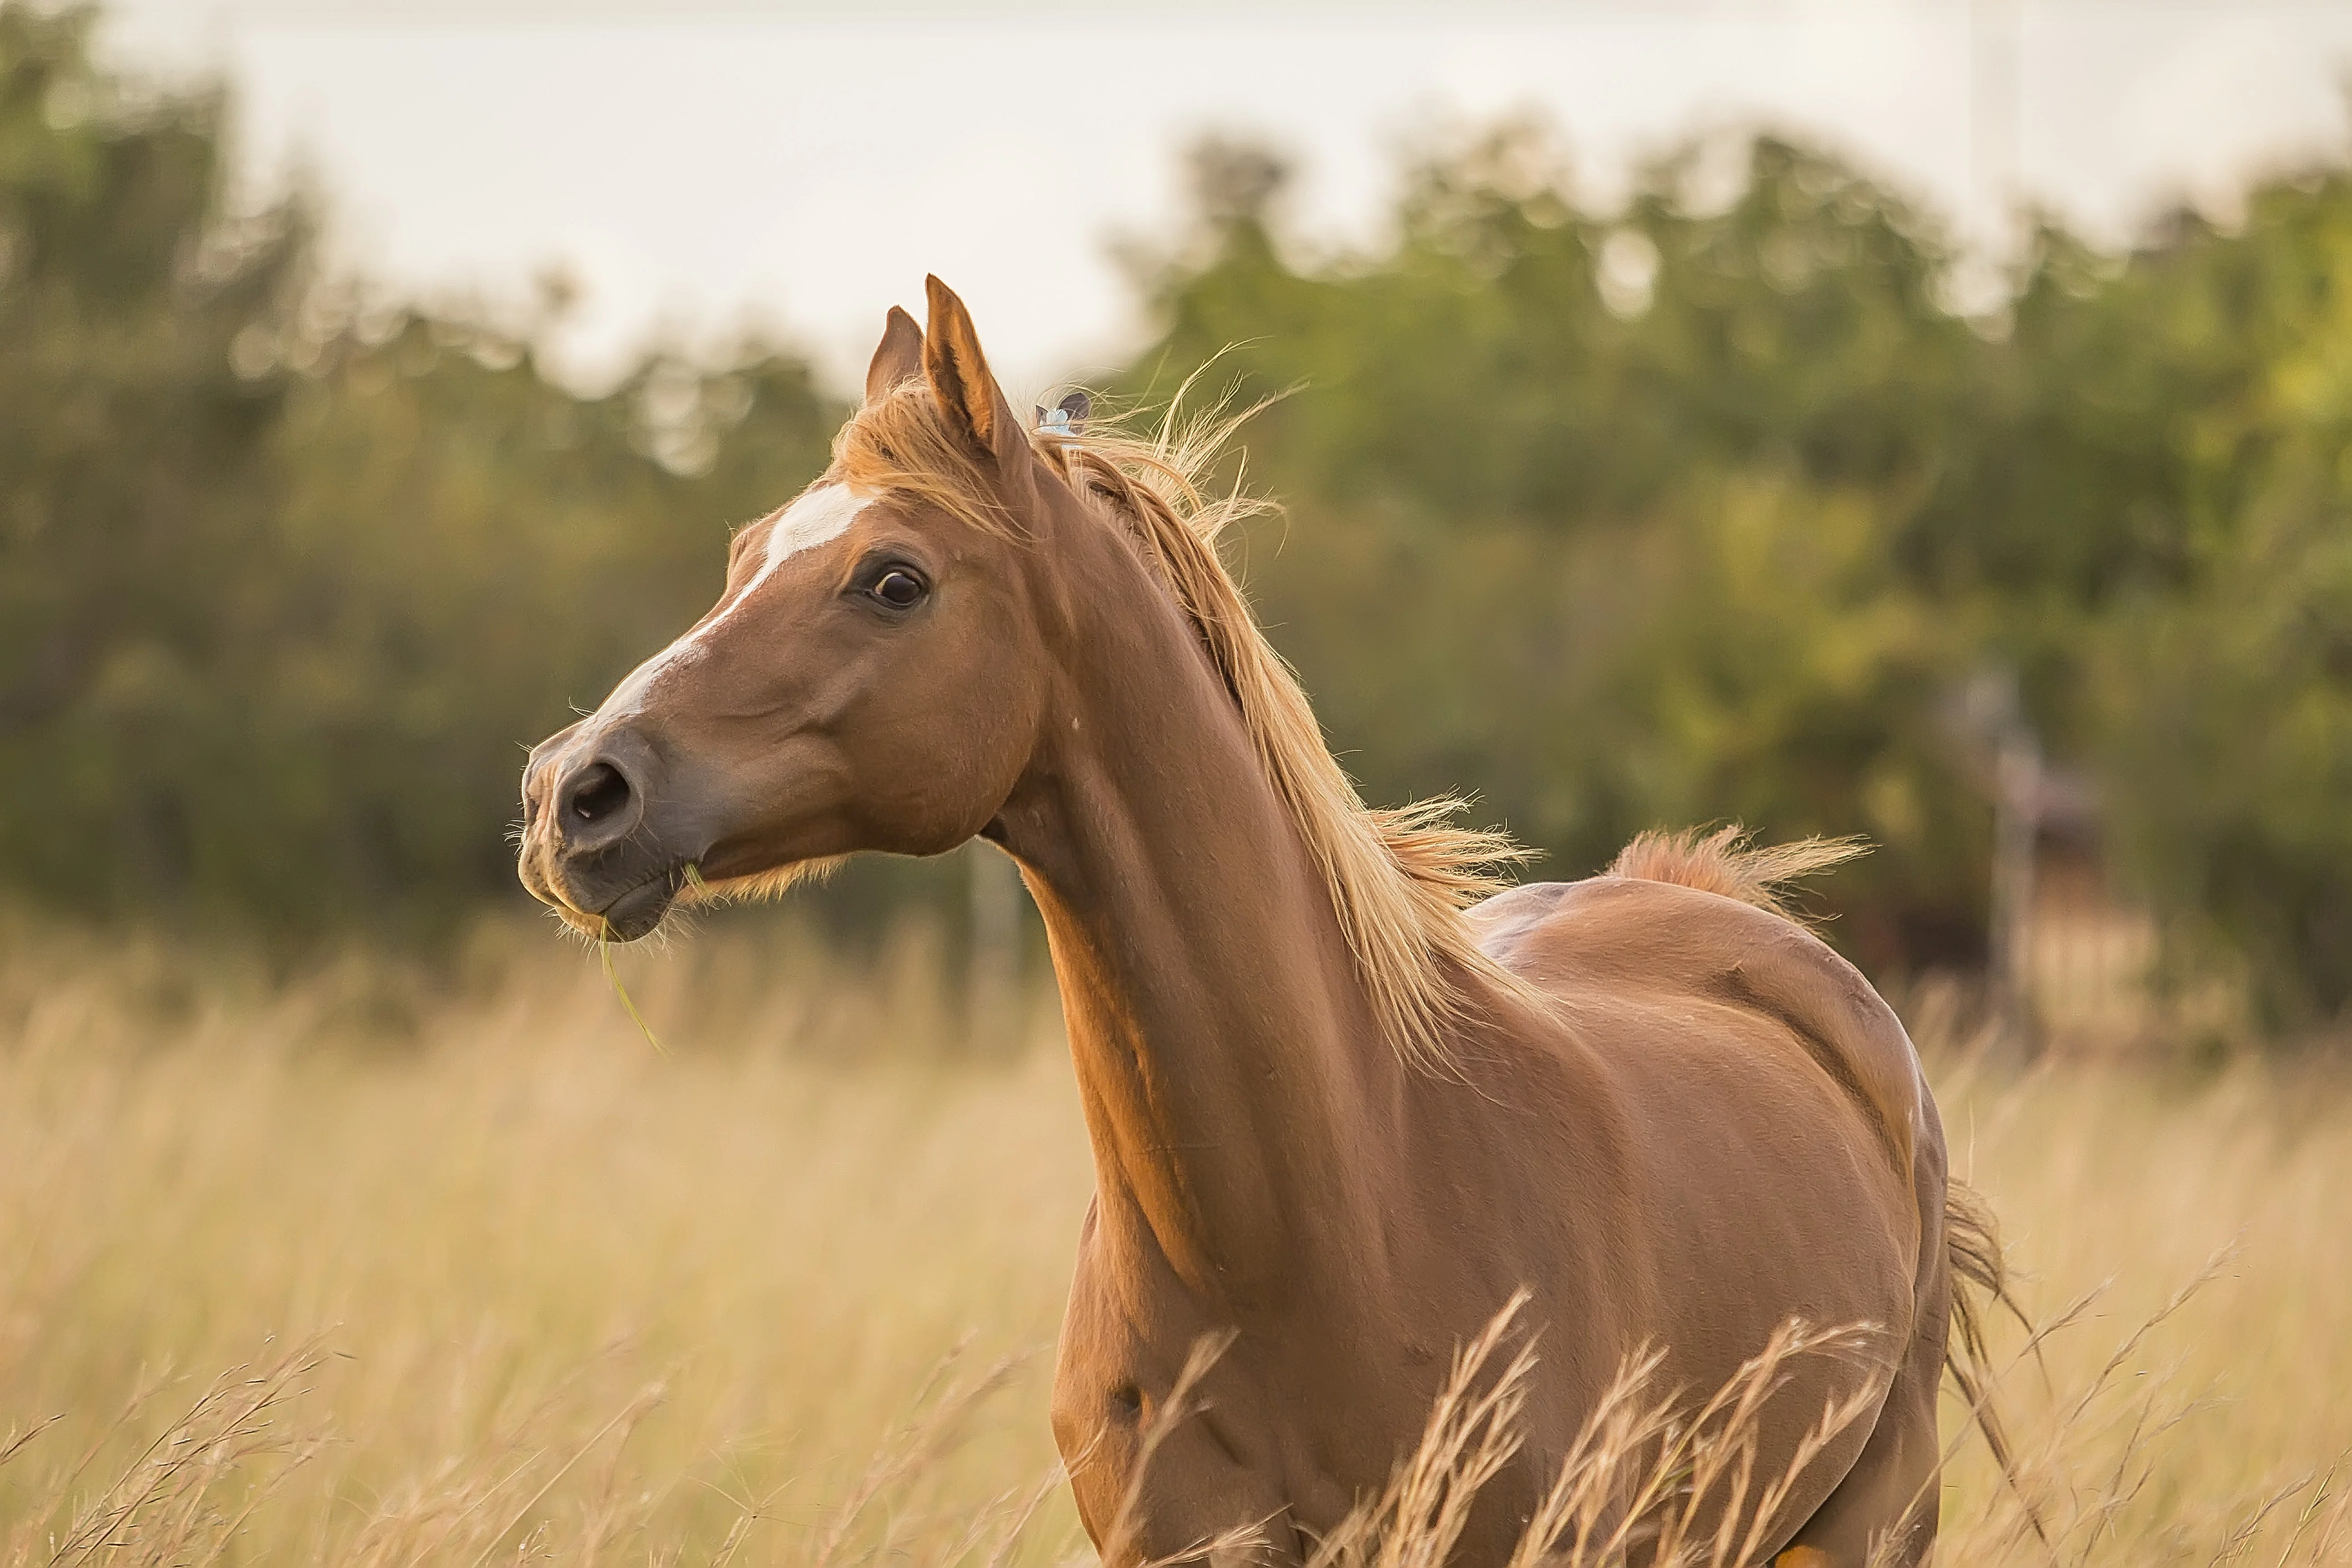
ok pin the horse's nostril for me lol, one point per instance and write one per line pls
(595, 793)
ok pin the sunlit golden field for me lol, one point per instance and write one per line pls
(389, 1267)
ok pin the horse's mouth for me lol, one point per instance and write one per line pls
(634, 912)
(639, 910)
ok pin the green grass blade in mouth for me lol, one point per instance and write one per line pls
(613, 975)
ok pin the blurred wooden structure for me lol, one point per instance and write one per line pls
(2081, 957)
(2068, 962)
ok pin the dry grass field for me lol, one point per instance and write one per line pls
(377, 1267)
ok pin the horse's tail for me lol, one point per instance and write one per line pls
(1725, 862)
(1980, 1275)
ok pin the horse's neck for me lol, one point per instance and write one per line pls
(1233, 1077)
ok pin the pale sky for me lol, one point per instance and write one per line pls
(698, 166)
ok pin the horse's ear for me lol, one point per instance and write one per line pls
(898, 358)
(960, 379)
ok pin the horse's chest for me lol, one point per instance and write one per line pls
(1165, 1406)
(1162, 1409)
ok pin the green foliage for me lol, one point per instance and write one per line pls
(1712, 508)
(130, 452)
(1616, 519)
(287, 584)
(1706, 508)
(2225, 714)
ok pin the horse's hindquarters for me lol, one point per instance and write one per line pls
(1784, 1165)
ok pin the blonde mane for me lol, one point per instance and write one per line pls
(1399, 879)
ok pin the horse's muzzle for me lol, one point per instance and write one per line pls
(590, 848)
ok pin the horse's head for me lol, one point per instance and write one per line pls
(871, 678)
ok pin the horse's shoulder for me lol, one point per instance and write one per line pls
(1657, 941)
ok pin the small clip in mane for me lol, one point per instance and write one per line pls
(1067, 418)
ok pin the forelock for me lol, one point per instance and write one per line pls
(901, 443)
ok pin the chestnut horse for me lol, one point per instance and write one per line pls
(1340, 1108)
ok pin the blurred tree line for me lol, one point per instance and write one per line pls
(1716, 507)
(287, 579)
(1713, 506)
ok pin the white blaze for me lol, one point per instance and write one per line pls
(818, 518)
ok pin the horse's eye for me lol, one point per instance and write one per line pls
(899, 589)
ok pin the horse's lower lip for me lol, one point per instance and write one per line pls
(639, 911)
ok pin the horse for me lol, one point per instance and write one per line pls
(1347, 1094)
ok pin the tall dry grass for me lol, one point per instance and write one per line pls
(378, 1266)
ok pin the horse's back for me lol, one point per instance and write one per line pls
(1610, 947)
